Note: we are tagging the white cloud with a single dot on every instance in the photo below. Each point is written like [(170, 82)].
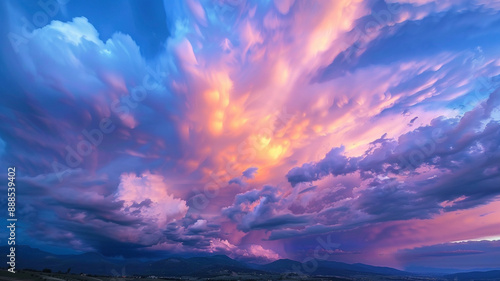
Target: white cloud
[(147, 197)]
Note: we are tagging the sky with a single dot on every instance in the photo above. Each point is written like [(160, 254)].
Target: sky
[(352, 131)]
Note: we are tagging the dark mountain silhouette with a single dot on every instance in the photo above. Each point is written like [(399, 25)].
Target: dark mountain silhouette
[(210, 266), (475, 275), (93, 263), (329, 268), (196, 266)]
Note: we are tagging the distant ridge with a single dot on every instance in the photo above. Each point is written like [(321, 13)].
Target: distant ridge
[(208, 266), (332, 268), (475, 275)]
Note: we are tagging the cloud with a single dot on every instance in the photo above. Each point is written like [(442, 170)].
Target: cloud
[(250, 172), (258, 251), (239, 95), (257, 209), (195, 235), (253, 253), (247, 174), (464, 255), (237, 181), (393, 168), (147, 198), (334, 163)]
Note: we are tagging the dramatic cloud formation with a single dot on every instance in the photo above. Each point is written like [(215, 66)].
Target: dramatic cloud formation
[(369, 130), (147, 198)]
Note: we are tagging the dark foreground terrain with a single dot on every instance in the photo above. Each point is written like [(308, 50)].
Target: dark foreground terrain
[(33, 264), (32, 275)]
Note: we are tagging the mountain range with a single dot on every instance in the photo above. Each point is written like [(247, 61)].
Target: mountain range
[(210, 266)]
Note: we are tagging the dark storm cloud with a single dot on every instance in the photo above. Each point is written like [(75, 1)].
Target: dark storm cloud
[(247, 174), (334, 163), (468, 254), (194, 234), (250, 172), (262, 215), (463, 151)]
